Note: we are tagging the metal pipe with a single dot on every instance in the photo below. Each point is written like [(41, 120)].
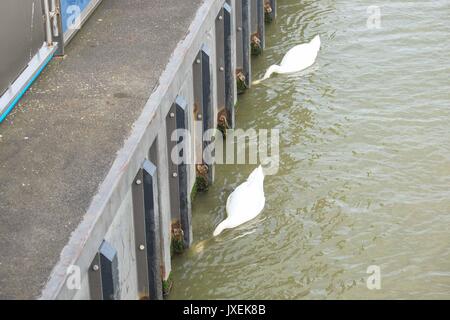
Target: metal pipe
[(48, 29), (54, 14)]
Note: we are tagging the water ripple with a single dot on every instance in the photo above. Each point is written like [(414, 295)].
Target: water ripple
[(365, 163)]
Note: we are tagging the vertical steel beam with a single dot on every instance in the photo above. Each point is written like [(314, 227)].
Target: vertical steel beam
[(171, 125), (103, 274), (229, 75), (95, 279), (254, 16), (109, 272), (206, 88), (261, 23), (257, 26), (158, 155), (207, 107), (242, 51), (246, 33), (140, 239), (220, 60), (203, 108), (153, 239), (198, 108), (239, 34), (183, 151)]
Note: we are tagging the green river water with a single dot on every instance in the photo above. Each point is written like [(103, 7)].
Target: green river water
[(364, 175)]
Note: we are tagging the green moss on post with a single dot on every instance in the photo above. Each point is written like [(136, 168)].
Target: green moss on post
[(241, 85), (193, 192), (167, 285), (202, 184), (268, 17), (256, 49), (255, 45), (177, 246), (177, 243), (222, 122), (241, 81)]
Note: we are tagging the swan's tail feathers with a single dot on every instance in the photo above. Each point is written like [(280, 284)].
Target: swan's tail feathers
[(316, 42), (222, 226)]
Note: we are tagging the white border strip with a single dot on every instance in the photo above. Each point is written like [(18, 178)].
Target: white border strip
[(25, 79)]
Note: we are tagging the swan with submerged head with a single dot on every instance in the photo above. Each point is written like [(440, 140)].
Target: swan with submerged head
[(245, 202), (296, 59)]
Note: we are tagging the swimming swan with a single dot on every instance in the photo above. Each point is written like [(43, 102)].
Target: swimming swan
[(245, 202), (296, 59)]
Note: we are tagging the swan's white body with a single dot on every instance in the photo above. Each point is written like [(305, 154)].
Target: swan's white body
[(297, 58), (245, 202)]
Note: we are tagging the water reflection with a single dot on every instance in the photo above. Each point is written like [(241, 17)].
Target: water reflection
[(365, 164)]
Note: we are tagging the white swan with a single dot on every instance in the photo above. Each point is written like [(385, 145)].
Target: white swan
[(245, 202), (296, 59)]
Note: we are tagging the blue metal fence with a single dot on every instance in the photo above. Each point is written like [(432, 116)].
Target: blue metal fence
[(71, 10)]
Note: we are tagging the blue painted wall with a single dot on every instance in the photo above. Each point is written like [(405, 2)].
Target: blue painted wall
[(70, 11)]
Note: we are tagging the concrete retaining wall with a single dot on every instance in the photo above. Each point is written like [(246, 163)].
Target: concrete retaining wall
[(123, 247)]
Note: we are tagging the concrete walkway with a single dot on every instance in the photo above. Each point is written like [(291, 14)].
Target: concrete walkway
[(58, 144)]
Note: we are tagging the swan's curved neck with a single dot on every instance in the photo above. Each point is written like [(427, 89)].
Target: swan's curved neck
[(222, 226), (272, 69)]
